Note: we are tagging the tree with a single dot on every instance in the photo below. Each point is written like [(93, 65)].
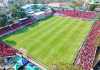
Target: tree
[(92, 7), (3, 20), (17, 12)]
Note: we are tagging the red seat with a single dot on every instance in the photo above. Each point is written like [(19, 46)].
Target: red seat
[(15, 26), (6, 50)]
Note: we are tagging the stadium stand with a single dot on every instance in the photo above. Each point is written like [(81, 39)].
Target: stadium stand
[(42, 14), (88, 50), (10, 58), (26, 22), (22, 23), (15, 26), (77, 13), (6, 50)]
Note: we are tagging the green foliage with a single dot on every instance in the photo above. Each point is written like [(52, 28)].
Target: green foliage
[(17, 12), (92, 7), (3, 20)]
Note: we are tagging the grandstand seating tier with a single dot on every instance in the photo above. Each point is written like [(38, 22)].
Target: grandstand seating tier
[(77, 13), (88, 50)]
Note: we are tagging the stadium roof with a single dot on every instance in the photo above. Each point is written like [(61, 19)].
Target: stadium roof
[(58, 4), (6, 50)]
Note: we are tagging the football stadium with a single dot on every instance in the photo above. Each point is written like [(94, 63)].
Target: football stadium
[(52, 37)]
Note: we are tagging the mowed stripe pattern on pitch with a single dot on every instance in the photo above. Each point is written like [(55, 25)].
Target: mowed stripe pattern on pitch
[(55, 40)]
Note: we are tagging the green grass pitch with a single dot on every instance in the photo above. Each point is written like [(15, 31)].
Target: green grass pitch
[(53, 40)]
